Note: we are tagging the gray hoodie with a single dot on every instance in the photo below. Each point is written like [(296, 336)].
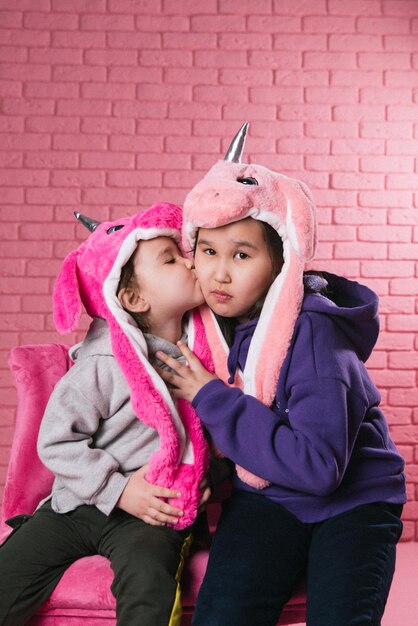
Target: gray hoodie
[(90, 438)]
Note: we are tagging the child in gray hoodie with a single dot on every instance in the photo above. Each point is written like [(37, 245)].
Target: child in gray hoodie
[(129, 464)]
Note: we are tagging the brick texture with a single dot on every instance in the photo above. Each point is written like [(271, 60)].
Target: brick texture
[(110, 105)]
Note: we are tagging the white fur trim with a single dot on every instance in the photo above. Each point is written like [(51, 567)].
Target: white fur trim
[(190, 332), (287, 233), (291, 229), (219, 333), (191, 231), (132, 331), (258, 340)]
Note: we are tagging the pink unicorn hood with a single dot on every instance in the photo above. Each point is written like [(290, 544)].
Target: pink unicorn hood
[(90, 276), (232, 191)]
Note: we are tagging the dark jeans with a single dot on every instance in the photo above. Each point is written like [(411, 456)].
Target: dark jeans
[(144, 558), (260, 551)]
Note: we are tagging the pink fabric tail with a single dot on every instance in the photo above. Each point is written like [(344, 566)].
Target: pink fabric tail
[(165, 465), (189, 476), (275, 330), (272, 337), (219, 355)]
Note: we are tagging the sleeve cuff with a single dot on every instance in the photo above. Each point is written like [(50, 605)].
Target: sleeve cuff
[(210, 387), (108, 497)]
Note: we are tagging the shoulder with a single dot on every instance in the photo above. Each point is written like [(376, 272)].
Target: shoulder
[(96, 342), (89, 374), (317, 325), (94, 363), (320, 348)]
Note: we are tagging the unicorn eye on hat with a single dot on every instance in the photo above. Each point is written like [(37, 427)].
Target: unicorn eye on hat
[(232, 191), (90, 276)]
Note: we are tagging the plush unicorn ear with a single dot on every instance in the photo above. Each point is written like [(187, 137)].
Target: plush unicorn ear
[(66, 296), (300, 219)]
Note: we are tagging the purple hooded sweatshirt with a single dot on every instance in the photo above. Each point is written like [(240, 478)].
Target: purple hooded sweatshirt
[(324, 444)]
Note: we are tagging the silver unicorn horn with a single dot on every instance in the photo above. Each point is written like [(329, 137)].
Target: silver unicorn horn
[(236, 148), (88, 222)]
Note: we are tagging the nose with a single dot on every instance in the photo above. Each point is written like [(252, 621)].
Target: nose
[(221, 273), (189, 263)]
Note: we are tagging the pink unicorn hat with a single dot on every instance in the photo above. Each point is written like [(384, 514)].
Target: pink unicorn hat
[(232, 191), (90, 276)]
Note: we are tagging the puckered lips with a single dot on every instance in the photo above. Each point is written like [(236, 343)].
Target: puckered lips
[(221, 296)]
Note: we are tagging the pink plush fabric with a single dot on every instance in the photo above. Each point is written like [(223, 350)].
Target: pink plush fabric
[(36, 369), (83, 595), (90, 275), (287, 205)]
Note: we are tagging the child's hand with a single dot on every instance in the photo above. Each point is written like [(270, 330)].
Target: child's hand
[(185, 381), (147, 502)]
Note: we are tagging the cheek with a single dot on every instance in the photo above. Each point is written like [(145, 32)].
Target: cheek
[(265, 277), (204, 282), (201, 268), (202, 277)]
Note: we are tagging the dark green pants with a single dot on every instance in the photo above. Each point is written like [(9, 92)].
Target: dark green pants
[(145, 560)]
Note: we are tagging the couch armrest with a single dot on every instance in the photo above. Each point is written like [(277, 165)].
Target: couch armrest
[(36, 369)]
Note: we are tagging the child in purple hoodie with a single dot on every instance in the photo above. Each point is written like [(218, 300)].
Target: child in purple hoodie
[(319, 485)]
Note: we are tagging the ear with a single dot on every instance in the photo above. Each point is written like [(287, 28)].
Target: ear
[(132, 301), (66, 296), (300, 219)]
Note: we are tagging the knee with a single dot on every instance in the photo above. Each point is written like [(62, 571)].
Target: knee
[(144, 560)]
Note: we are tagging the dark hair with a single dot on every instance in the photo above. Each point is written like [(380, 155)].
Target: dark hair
[(127, 279)]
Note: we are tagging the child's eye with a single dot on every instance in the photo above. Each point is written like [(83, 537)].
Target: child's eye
[(241, 255), (170, 261), (113, 229), (209, 251)]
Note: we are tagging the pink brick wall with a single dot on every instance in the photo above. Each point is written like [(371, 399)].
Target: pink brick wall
[(110, 105)]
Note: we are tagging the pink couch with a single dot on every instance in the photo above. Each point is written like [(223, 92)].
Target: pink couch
[(83, 596)]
